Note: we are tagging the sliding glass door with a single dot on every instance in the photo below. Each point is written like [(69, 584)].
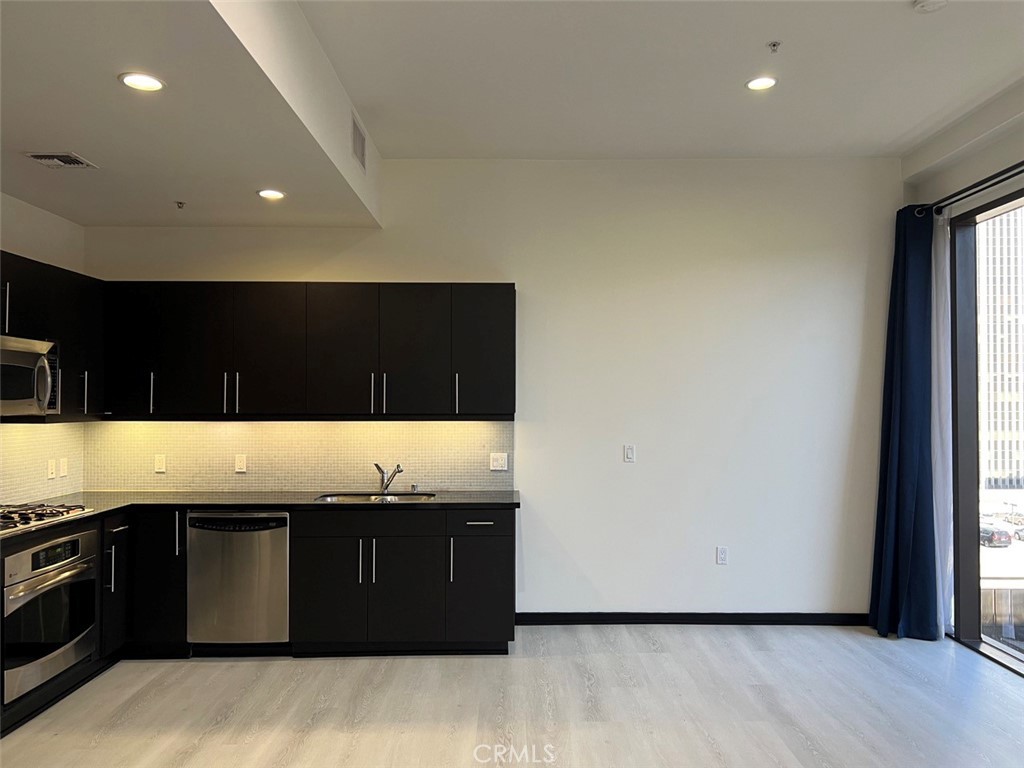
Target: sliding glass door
[(988, 300)]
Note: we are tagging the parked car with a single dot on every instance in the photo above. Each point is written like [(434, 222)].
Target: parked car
[(994, 537), (1019, 534)]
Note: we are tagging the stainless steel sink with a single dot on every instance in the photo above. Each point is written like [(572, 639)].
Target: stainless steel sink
[(374, 498)]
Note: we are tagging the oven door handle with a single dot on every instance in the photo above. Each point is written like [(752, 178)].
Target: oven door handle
[(20, 595)]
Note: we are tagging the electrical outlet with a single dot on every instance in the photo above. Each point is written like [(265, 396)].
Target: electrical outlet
[(499, 462), (240, 463), (721, 555), (160, 463), (51, 469), (629, 453), (64, 467)]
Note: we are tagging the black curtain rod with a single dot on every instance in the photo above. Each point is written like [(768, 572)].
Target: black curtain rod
[(970, 190)]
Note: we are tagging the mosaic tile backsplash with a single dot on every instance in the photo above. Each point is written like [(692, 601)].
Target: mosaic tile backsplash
[(315, 456), (25, 450)]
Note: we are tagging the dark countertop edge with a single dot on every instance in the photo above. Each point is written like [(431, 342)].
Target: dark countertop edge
[(138, 499)]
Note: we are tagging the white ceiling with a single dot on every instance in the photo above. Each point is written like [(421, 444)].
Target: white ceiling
[(638, 79), (219, 132)]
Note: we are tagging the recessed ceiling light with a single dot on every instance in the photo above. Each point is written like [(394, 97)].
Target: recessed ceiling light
[(761, 83), (140, 81), (271, 194)]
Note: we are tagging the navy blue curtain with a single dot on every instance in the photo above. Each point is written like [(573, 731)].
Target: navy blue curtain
[(905, 572)]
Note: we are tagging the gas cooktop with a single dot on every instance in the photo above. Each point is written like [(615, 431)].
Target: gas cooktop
[(25, 516)]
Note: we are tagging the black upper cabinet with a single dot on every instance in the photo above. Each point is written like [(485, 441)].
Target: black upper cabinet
[(270, 348), (406, 589), (132, 313), (484, 348), (193, 359), (343, 348), (27, 295), (41, 301), (416, 349)]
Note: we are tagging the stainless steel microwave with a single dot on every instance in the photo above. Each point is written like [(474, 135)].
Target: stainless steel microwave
[(29, 377)]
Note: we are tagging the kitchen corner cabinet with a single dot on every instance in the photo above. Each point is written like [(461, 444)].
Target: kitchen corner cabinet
[(41, 301), (158, 563), (116, 584), (484, 348)]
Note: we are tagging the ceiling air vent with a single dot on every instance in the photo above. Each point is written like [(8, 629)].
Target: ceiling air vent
[(60, 160), (358, 143)]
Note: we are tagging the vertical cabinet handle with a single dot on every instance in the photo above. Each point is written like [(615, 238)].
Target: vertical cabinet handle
[(451, 560), (360, 561), (151, 378), (373, 562), (60, 389), (7, 308), (85, 403), (177, 534), (238, 378), (384, 409), (225, 391), (456, 394), (371, 392), (113, 567)]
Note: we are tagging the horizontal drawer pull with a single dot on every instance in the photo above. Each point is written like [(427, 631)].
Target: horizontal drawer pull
[(479, 522)]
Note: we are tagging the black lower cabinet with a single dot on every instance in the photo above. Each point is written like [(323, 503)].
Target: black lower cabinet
[(158, 607), (328, 587), (480, 589), (406, 589), (116, 584)]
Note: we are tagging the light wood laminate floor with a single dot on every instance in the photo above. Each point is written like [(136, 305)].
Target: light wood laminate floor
[(597, 695)]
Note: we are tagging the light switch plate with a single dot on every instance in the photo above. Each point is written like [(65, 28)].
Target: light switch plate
[(160, 463), (629, 453), (64, 467), (51, 469), (499, 462), (240, 463)]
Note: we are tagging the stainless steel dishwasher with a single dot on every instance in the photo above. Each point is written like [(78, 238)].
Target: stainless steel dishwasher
[(237, 577)]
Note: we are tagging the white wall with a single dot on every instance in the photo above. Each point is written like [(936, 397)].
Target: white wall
[(37, 234), (727, 316)]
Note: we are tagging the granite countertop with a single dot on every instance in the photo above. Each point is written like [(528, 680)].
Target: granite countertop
[(101, 502)]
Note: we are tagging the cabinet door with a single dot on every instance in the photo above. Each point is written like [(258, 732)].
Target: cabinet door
[(406, 589), (130, 314), (92, 383), (342, 348), (78, 326), (327, 584), (484, 348), (193, 348), (269, 348), (416, 349), (117, 584), (480, 590), (27, 297), (159, 581)]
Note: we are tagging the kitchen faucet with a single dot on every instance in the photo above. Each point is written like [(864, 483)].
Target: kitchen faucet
[(385, 478)]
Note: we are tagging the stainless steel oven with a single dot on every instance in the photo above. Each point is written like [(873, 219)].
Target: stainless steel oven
[(50, 596), (29, 377)]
